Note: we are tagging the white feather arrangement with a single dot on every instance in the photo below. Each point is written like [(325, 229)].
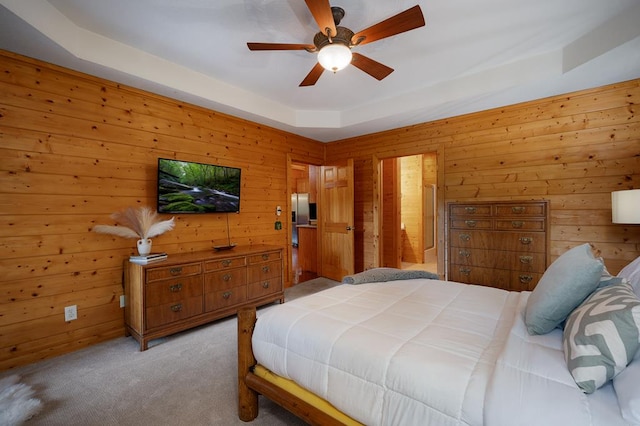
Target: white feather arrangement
[(139, 223)]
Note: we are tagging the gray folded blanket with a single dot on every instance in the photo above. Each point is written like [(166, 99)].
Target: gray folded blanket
[(387, 274)]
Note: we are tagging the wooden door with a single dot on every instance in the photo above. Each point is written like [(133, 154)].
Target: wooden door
[(336, 224)]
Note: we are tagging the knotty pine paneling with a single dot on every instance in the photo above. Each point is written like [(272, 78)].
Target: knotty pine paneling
[(572, 150), (73, 150)]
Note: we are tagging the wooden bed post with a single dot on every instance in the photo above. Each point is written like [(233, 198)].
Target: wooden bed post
[(247, 398)]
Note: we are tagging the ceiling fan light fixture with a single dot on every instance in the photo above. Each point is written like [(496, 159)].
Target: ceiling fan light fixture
[(334, 56)]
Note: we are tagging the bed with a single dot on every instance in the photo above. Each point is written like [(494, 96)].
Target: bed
[(418, 351)]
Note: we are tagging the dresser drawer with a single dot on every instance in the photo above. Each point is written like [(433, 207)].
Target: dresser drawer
[(470, 210), (225, 298), (519, 224), (163, 273), (524, 281), (470, 239), (223, 280), (264, 257), (477, 275), (227, 263), (171, 312), (168, 291), (528, 209), (528, 262), (460, 223), (264, 271), (264, 288)]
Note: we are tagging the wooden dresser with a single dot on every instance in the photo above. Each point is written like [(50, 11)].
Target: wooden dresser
[(191, 289), (498, 244)]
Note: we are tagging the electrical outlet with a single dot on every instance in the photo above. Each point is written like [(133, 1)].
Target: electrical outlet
[(122, 301), (71, 313)]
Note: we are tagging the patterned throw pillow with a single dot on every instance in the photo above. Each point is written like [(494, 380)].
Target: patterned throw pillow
[(602, 336)]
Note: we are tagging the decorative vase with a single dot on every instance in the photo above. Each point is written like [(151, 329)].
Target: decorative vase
[(144, 246)]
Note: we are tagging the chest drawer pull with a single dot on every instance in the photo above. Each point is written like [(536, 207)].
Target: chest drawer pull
[(526, 259), (265, 256), (517, 223), (526, 240), (175, 288), (470, 209), (525, 279), (265, 269), (226, 277), (464, 253), (465, 271), (464, 237), (226, 295), (175, 271), (176, 308), (226, 262), (265, 284), (518, 209), (470, 223)]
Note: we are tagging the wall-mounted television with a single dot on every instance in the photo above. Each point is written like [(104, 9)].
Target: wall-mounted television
[(190, 187)]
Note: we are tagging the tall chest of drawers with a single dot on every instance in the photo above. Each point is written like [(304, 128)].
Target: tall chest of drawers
[(498, 244), (191, 289)]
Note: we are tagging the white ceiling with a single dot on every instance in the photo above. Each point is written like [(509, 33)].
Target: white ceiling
[(471, 55)]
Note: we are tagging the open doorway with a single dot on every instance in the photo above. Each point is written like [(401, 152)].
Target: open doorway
[(303, 239), (408, 212)]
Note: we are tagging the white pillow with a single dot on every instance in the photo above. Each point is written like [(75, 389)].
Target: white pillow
[(626, 386), (632, 273)]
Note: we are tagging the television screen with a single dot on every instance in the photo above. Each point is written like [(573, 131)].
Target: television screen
[(188, 187)]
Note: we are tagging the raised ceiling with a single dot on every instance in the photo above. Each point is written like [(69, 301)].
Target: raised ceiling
[(471, 55)]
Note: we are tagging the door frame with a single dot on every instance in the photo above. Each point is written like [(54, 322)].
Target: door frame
[(292, 158), (440, 207)]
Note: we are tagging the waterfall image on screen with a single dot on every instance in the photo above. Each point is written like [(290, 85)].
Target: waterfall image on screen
[(189, 187)]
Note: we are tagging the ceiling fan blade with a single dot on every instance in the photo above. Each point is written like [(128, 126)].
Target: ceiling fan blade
[(371, 67), (313, 76), (404, 21), (280, 46), (321, 11)]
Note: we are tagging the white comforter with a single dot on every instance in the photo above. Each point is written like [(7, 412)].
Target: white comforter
[(424, 352)]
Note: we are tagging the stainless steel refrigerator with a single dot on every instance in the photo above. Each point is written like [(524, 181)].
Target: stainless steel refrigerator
[(299, 214)]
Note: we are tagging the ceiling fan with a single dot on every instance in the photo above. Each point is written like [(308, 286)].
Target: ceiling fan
[(333, 43)]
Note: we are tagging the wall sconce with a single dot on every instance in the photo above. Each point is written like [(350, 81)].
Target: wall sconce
[(625, 206)]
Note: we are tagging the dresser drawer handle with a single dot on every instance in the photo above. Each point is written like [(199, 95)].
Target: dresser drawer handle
[(470, 223), (464, 237), (226, 262), (265, 284), (265, 256), (226, 295), (464, 253), (518, 209), (175, 288), (470, 209), (176, 308), (176, 271), (526, 259), (525, 279), (465, 271), (265, 269), (517, 223), (226, 277), (526, 240)]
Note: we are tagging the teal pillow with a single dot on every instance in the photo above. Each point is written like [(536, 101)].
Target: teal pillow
[(563, 286), (602, 336)]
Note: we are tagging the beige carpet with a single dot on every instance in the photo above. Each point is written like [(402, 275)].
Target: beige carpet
[(189, 378)]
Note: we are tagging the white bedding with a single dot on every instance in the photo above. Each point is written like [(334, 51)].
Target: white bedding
[(417, 352)]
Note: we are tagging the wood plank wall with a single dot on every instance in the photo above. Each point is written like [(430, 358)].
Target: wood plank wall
[(73, 150), (572, 150)]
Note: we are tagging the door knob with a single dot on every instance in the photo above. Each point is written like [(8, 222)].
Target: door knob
[(351, 228)]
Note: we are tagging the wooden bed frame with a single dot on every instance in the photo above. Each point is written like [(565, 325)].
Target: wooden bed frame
[(251, 386)]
